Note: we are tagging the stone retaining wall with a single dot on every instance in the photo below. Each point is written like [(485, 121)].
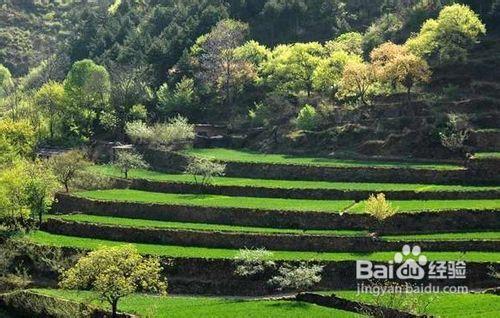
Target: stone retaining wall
[(205, 276), (233, 240), (400, 223)]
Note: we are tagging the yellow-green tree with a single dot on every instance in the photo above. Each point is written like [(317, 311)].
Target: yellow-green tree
[(50, 100), (396, 65), (18, 134), (115, 272), (449, 36), (358, 80), (290, 68), (328, 74)]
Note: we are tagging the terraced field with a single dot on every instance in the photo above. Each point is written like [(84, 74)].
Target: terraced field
[(168, 215), (442, 305), (250, 156)]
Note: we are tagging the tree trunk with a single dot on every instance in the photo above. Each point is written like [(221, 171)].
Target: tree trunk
[(66, 187), (114, 307)]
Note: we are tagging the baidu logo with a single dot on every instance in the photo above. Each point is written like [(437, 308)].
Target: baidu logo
[(410, 264)]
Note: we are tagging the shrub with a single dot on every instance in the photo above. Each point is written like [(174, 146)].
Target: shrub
[(205, 169), (307, 118), (129, 159), (138, 132), (252, 261), (300, 278), (174, 134), (454, 135), (379, 207)]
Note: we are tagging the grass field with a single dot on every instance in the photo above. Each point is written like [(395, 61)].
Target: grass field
[(447, 305), (492, 235), (187, 307), (249, 156), (289, 184), (199, 226), (127, 195), (487, 155), (195, 252), (436, 205)]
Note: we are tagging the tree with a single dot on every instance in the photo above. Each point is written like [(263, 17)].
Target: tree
[(220, 67), (19, 134), (358, 79), (290, 68), (351, 43), (307, 118), (327, 76), (395, 64), (204, 168), (129, 159), (253, 52), (181, 100), (39, 187), (6, 83), (88, 88), (449, 36), (115, 272), (50, 100), (67, 165)]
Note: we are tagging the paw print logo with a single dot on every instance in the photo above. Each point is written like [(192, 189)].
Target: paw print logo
[(412, 262)]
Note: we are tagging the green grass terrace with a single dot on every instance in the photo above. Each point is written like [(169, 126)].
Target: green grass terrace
[(231, 155), (139, 223), (194, 307), (44, 238), (151, 175), (206, 200), (445, 305)]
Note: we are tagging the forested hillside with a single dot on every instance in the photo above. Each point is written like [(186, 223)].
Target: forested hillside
[(243, 64)]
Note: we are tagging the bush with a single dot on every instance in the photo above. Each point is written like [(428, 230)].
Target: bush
[(454, 135), (171, 135), (379, 207), (300, 278), (250, 262), (204, 168), (139, 132), (307, 118)]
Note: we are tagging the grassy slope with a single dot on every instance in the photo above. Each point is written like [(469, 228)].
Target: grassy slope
[(198, 226), (288, 184), (449, 305), (187, 307), (218, 200), (436, 205), (228, 228), (127, 195), (248, 156), (487, 155), (195, 252)]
